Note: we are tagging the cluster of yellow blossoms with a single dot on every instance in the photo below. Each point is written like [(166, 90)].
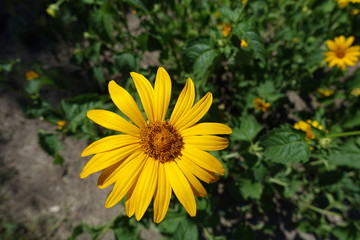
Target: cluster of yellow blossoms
[(307, 127)]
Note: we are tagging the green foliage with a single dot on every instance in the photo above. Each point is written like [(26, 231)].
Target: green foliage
[(51, 144), (285, 145), (276, 177)]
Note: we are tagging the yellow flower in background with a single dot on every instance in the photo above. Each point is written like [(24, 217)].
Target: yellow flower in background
[(325, 92), (355, 12), (307, 126), (243, 43), (243, 1), (355, 92), (153, 158), (261, 105), (31, 75), (343, 3), (226, 29), (133, 12), (60, 124), (341, 52)]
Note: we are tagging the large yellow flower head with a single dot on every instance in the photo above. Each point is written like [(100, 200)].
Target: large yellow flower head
[(341, 52), (153, 158)]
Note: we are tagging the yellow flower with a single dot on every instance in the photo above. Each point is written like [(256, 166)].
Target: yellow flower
[(243, 1), (325, 92), (133, 11), (243, 43), (226, 29), (343, 3), (60, 124), (31, 75), (153, 158), (306, 127), (341, 52), (355, 12), (355, 92), (261, 105)]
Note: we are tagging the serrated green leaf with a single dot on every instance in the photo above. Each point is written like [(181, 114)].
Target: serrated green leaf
[(198, 58), (249, 128), (248, 32), (285, 145), (102, 24), (49, 143), (347, 156), (250, 189), (186, 230), (126, 62), (124, 230)]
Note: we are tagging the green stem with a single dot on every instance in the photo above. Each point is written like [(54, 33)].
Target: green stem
[(277, 181), (319, 210), (344, 134)]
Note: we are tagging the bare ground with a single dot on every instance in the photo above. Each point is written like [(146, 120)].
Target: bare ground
[(49, 200)]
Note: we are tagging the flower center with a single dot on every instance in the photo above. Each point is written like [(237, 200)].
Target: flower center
[(340, 53), (161, 141)]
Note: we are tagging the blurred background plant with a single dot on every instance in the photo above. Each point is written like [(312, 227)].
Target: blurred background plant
[(292, 164)]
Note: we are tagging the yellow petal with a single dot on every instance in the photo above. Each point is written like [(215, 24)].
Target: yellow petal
[(162, 94), (133, 161), (146, 94), (203, 159), (207, 142), (193, 115), (195, 184), (181, 187), (145, 187), (109, 143), (205, 129), (126, 104), (127, 178), (107, 172), (103, 160), (112, 121), (331, 44), (349, 41), (162, 195), (130, 204), (201, 173), (184, 102)]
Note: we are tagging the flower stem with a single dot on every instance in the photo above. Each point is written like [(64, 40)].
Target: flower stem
[(319, 210), (344, 134)]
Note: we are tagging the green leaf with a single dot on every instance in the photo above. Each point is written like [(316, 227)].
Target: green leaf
[(249, 128), (186, 230), (126, 62), (248, 32), (124, 229), (137, 4), (102, 24), (250, 190), (198, 57), (7, 65), (285, 145), (347, 156), (100, 77), (49, 143)]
